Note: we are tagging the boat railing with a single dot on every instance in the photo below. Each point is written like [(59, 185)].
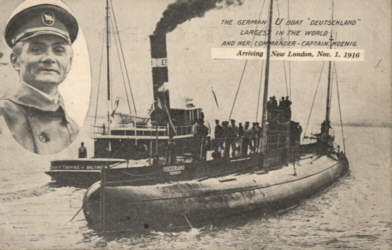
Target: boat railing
[(140, 130), (138, 126)]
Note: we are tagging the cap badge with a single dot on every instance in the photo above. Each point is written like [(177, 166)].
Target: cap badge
[(48, 18)]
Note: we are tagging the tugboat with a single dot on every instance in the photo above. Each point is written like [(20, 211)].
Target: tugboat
[(263, 169), (126, 137)]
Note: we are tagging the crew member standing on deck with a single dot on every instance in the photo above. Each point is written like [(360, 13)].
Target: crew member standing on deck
[(200, 135), (82, 151), (233, 134), (254, 137), (218, 133), (241, 133), (196, 140), (258, 136), (226, 135), (205, 139), (41, 38), (247, 139)]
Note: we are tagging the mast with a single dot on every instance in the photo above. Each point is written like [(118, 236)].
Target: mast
[(266, 79), (108, 62), (328, 104)]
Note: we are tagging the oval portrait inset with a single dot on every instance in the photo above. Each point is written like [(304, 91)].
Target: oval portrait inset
[(45, 87)]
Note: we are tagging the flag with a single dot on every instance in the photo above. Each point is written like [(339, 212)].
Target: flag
[(116, 103), (216, 99)]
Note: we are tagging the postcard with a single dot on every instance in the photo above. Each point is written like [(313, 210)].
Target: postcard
[(195, 124)]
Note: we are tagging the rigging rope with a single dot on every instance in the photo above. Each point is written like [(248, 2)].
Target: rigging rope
[(238, 89), (313, 101), (244, 68), (99, 80), (122, 54), (121, 67), (340, 108)]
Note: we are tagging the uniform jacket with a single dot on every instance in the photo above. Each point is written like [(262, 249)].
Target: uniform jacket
[(37, 122)]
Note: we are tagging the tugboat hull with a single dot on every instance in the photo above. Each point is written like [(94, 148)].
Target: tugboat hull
[(162, 206), (80, 172)]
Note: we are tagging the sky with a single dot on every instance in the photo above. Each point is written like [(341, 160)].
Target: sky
[(365, 87)]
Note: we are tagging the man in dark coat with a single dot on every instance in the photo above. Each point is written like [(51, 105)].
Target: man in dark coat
[(82, 152), (247, 139), (41, 38), (226, 135), (218, 133), (233, 136)]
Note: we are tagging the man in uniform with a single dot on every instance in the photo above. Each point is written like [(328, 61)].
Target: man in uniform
[(200, 132), (241, 134), (272, 110), (226, 135), (41, 38), (204, 139), (82, 152), (254, 137), (258, 136), (233, 136), (218, 135), (247, 139)]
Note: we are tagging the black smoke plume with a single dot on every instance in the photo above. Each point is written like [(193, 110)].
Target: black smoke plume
[(184, 10)]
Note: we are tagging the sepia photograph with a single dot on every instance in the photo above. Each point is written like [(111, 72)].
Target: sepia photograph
[(195, 124), (40, 38)]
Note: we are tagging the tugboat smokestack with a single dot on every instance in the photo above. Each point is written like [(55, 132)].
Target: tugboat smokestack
[(159, 69)]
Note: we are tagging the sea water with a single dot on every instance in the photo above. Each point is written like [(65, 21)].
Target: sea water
[(355, 212)]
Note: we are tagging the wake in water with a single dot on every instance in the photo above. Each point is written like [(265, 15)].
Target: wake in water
[(26, 193)]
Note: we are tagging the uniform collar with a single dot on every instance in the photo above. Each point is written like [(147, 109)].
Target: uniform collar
[(29, 96)]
